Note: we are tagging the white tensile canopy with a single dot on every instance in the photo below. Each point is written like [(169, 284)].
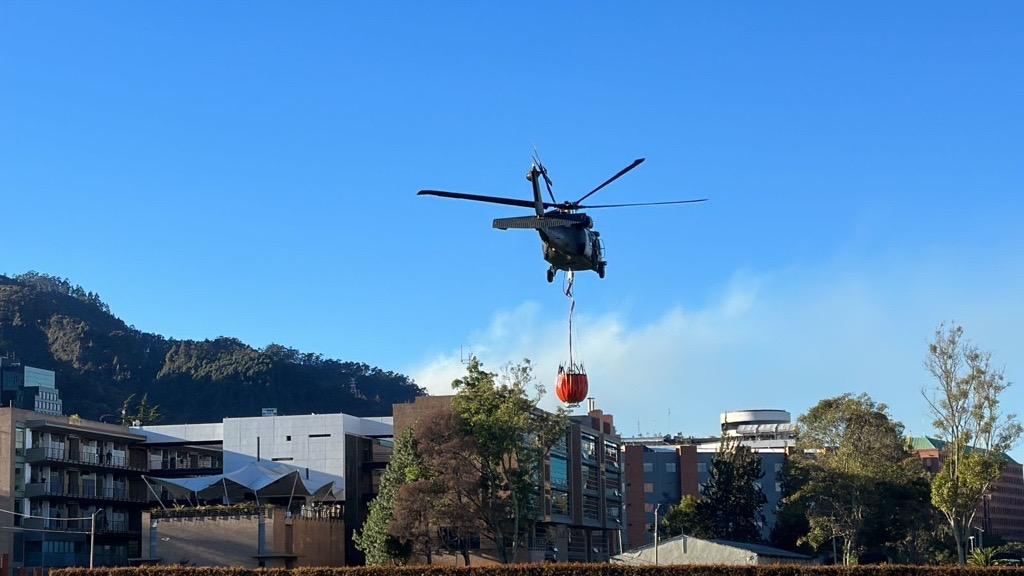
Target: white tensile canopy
[(264, 479)]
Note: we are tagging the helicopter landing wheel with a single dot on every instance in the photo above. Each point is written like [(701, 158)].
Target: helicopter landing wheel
[(600, 270), (551, 275)]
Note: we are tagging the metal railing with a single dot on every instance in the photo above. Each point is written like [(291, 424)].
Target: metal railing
[(38, 489), (63, 454)]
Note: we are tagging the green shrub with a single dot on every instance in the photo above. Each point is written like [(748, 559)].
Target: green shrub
[(555, 570)]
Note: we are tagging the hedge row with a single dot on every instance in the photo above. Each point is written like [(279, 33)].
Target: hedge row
[(555, 570)]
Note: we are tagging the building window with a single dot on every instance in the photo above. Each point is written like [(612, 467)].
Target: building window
[(649, 508), (778, 467), (670, 467), (613, 513), (561, 445), (611, 452), (588, 447), (559, 503), (318, 436), (559, 473), (281, 459), (591, 507), (287, 438), (612, 481), (648, 488), (19, 441), (591, 478), (648, 467), (702, 468), (778, 487)]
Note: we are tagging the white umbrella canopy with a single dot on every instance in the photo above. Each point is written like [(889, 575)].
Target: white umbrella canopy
[(265, 479)]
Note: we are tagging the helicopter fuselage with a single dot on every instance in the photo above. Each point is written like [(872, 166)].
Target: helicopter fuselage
[(572, 247)]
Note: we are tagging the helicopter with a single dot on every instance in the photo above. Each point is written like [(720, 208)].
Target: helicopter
[(569, 240)]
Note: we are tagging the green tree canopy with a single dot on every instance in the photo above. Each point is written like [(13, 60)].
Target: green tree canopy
[(731, 504), (141, 414), (511, 437), (685, 519), (375, 540), (861, 485)]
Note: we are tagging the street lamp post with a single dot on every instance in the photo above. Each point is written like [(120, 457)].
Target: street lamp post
[(92, 535), (656, 508)]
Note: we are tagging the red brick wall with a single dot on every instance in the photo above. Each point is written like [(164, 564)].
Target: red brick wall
[(636, 520)]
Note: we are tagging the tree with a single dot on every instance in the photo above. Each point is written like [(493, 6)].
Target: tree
[(415, 521), (964, 402), (142, 415), (731, 500), (791, 525), (434, 512), (860, 477), (447, 457), (375, 539), (684, 519), (511, 437)]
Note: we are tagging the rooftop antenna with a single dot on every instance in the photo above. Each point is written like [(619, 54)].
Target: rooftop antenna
[(465, 355)]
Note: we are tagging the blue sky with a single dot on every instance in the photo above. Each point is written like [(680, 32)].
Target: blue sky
[(250, 170)]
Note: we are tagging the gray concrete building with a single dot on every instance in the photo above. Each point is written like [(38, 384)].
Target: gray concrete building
[(349, 450)]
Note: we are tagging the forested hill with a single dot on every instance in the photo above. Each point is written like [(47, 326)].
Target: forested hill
[(49, 323)]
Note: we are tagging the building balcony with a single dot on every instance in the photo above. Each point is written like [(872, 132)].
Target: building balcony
[(184, 472), (56, 524), (108, 493), (62, 455), (103, 526)]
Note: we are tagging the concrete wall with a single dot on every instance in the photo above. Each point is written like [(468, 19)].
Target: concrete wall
[(315, 441), (213, 432), (229, 541), (234, 540)]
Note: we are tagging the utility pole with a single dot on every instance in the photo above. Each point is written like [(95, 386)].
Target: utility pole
[(656, 508), (92, 535)]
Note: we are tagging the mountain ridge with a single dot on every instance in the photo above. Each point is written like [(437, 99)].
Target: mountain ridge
[(48, 322)]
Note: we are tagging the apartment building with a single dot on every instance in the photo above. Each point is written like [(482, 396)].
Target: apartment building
[(61, 472)]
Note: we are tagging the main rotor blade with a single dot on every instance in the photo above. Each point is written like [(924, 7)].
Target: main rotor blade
[(618, 175), (479, 198), (544, 173), (642, 204), (548, 183)]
